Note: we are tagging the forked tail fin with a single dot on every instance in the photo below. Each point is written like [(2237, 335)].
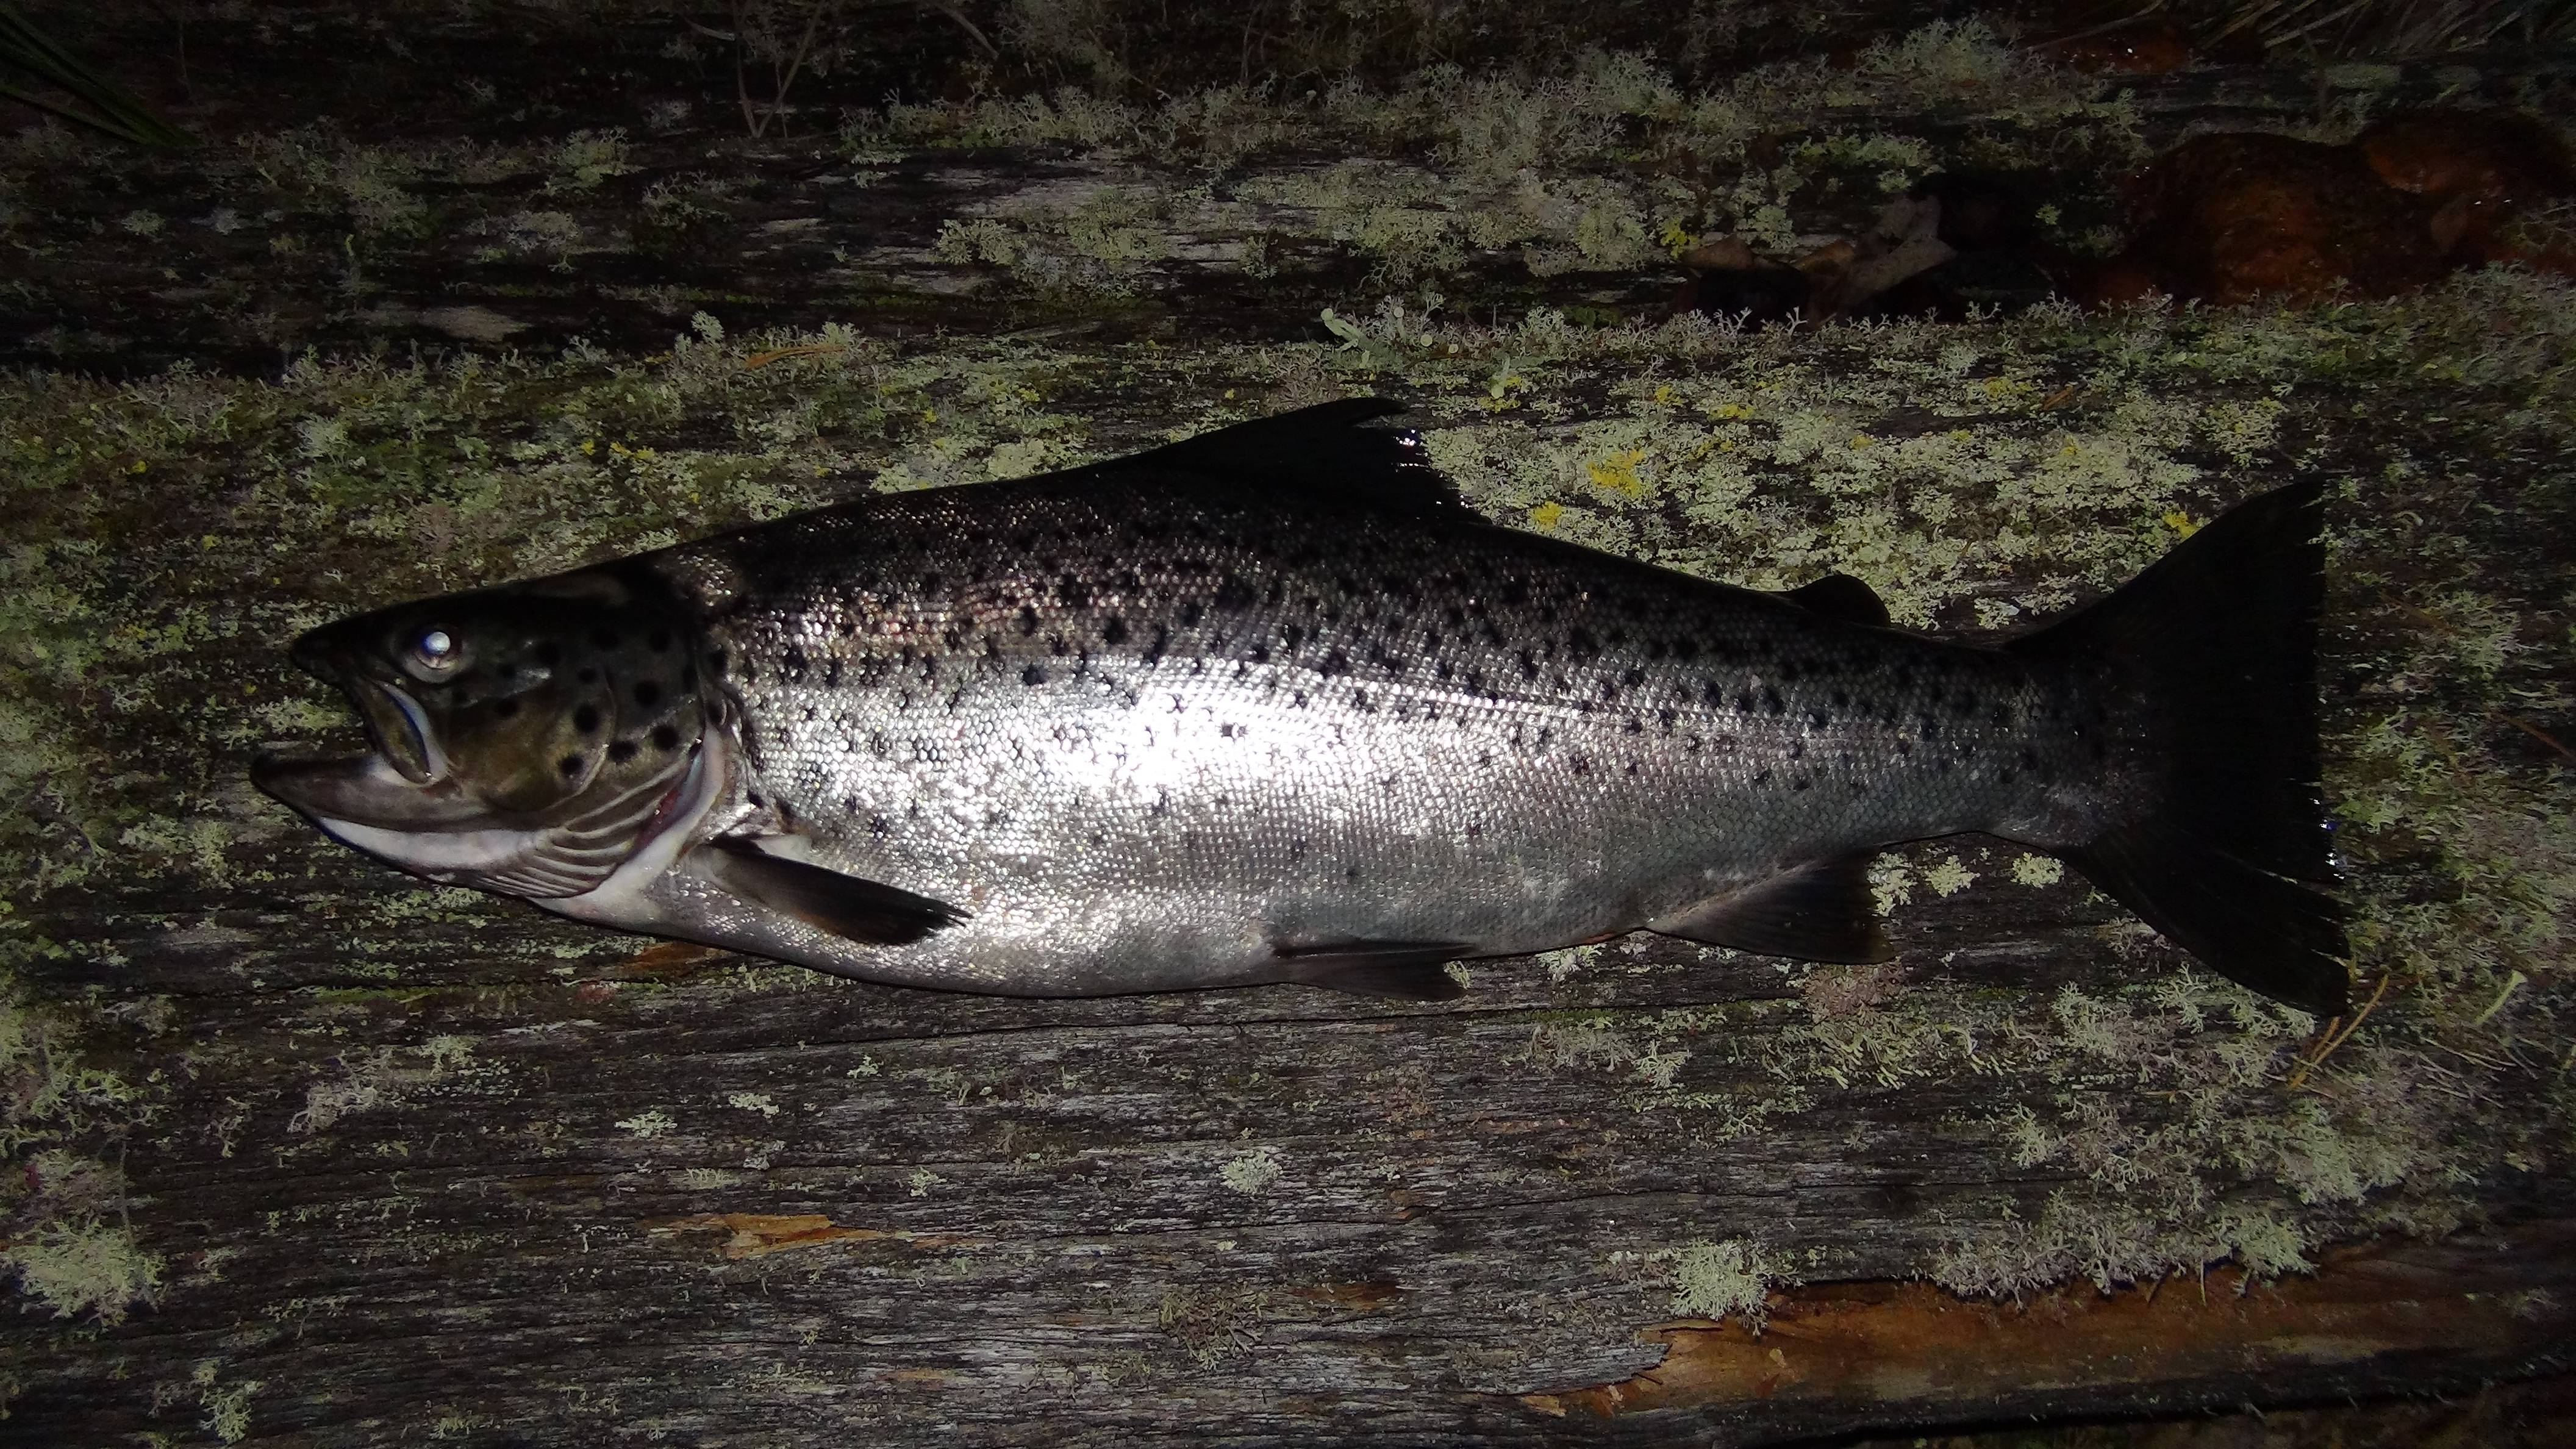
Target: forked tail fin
[(2219, 637)]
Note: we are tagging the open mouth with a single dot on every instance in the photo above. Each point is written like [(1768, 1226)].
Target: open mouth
[(398, 729), (401, 784)]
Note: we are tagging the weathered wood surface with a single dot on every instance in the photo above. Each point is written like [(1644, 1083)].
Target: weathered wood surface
[(423, 1166), (614, 228)]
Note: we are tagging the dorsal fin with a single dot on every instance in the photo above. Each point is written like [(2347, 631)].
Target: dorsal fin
[(1320, 453), (1840, 596)]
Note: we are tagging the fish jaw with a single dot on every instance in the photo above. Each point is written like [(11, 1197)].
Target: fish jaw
[(430, 829), (369, 791)]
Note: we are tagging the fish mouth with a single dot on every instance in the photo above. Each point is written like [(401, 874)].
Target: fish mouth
[(402, 784), (398, 729)]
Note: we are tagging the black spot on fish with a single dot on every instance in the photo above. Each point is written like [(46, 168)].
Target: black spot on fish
[(603, 639), (1351, 872), (1033, 675), (1073, 593), (1114, 632), (1819, 718), (504, 708), (1335, 662), (620, 751), (1260, 654), (1191, 613), (550, 654), (658, 641), (1631, 678), (1028, 621), (794, 661), (587, 675), (585, 719), (665, 738), (647, 693), (1234, 594), (1771, 701), (570, 765)]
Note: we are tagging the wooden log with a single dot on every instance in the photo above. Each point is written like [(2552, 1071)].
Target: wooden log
[(301, 1151)]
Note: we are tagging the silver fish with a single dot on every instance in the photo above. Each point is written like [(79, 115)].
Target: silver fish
[(1271, 705)]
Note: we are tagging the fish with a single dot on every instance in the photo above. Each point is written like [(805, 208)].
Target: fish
[(1272, 704)]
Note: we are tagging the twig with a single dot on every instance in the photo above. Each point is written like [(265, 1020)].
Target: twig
[(952, 12), (2512, 984), (2107, 26), (2335, 1039), (802, 349), (2533, 730)]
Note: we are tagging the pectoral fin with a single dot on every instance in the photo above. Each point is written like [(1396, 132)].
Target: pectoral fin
[(844, 905), (1406, 970), (1818, 912)]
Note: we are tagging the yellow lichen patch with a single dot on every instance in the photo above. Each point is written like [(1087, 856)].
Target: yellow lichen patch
[(1618, 472)]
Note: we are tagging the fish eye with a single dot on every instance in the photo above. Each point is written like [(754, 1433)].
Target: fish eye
[(435, 651)]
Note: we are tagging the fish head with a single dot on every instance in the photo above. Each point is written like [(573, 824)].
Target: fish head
[(563, 708)]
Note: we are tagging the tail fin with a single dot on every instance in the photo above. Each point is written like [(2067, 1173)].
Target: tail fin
[(2220, 636)]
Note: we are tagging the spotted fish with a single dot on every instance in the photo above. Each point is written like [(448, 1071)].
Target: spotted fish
[(1271, 705)]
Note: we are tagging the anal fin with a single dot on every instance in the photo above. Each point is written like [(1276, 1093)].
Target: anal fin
[(1405, 970), (1822, 911), (865, 911)]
